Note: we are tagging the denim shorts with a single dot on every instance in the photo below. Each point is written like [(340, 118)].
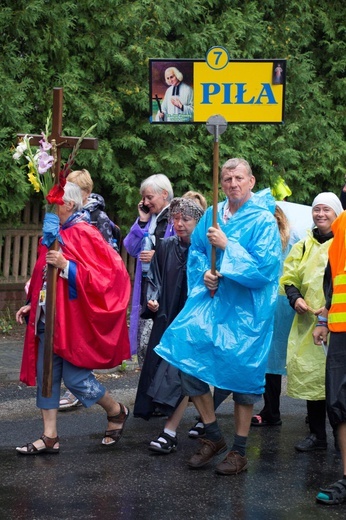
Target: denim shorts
[(192, 387)]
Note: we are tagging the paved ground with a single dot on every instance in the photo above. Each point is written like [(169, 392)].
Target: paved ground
[(10, 358), (87, 480)]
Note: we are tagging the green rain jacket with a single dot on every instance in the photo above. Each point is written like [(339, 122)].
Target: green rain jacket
[(306, 362)]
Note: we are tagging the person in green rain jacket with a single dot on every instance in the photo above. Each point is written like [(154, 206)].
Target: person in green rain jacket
[(302, 281)]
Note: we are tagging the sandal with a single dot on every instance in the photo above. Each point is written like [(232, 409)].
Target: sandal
[(257, 420), (334, 494), (197, 430), (165, 443), (117, 419), (49, 443), (68, 400)]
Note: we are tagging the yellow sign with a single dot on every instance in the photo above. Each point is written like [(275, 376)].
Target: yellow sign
[(242, 91)]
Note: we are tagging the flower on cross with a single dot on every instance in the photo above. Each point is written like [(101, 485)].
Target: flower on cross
[(39, 163)]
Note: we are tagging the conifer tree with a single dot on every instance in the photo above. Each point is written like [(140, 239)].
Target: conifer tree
[(98, 51)]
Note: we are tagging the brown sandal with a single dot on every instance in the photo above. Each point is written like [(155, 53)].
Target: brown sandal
[(120, 418), (49, 443)]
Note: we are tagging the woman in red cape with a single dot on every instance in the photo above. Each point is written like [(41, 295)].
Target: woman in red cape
[(93, 291)]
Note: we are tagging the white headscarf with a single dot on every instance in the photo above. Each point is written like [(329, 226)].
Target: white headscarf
[(329, 199)]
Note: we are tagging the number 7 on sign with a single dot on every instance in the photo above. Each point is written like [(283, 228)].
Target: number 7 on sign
[(217, 58), (218, 55)]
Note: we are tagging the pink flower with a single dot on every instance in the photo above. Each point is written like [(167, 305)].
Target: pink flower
[(45, 162), (45, 145)]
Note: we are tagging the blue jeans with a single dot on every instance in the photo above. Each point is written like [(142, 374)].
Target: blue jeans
[(80, 381)]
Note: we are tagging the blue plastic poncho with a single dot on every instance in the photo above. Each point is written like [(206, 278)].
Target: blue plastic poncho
[(300, 221), (225, 340)]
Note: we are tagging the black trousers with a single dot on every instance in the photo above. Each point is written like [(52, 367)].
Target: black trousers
[(317, 418), (271, 409), (336, 379)]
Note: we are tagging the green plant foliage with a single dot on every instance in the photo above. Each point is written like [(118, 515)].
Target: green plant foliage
[(98, 51), (7, 321)]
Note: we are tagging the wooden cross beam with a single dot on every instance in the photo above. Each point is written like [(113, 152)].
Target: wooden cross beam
[(61, 141)]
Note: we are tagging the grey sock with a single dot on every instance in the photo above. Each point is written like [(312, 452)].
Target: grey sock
[(212, 432), (239, 444)]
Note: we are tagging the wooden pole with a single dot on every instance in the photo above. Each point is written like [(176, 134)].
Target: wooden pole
[(215, 193), (52, 277), (52, 272), (216, 125)]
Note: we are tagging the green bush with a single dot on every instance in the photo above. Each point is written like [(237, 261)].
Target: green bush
[(98, 51)]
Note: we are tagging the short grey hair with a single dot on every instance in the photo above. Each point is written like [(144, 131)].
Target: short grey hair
[(73, 193), (158, 182), (176, 73), (231, 164)]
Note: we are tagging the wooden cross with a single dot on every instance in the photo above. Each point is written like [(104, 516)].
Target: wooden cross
[(88, 143), (58, 141)]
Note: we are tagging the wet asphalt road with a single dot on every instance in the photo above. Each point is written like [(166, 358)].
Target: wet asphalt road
[(90, 481)]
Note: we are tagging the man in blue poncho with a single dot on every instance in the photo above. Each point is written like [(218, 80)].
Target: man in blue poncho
[(224, 340)]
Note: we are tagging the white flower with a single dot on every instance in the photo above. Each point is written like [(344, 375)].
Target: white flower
[(21, 147)]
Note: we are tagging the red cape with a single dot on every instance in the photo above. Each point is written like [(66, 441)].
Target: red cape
[(91, 306)]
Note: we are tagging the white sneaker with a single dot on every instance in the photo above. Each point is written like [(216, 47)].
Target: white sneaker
[(68, 400)]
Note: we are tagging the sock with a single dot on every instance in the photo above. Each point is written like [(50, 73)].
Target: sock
[(172, 433), (212, 432), (161, 439), (239, 444)]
